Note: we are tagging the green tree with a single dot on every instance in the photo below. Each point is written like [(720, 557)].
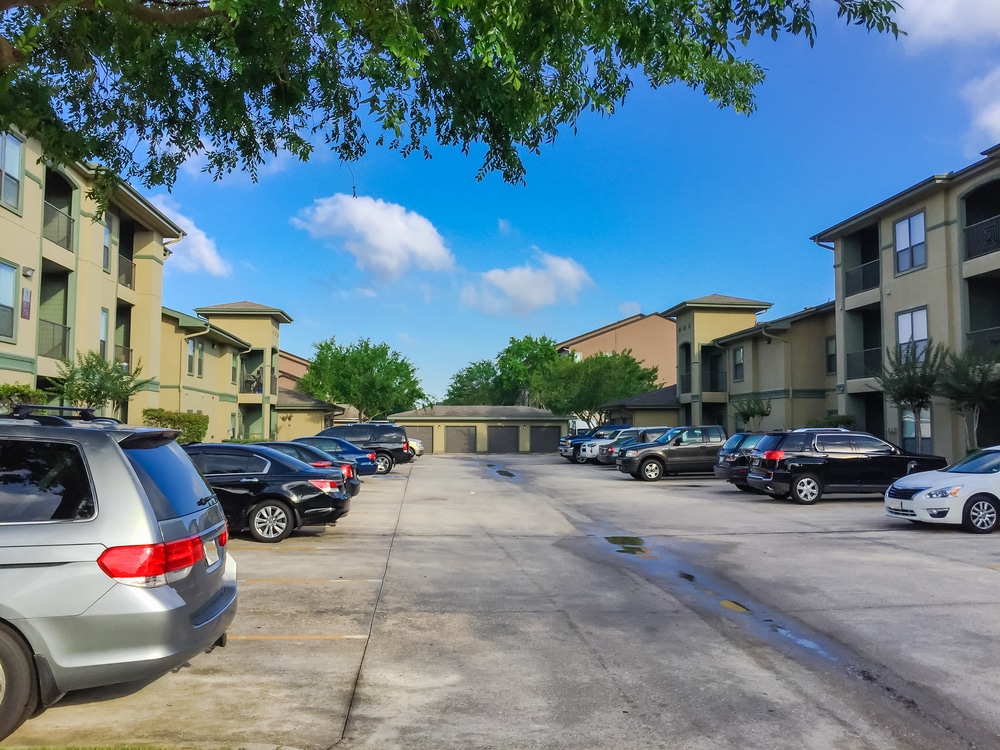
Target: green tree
[(970, 381), (372, 378), (139, 86), (522, 360), (909, 378), (583, 387), (95, 382), (15, 393), (474, 384), (751, 411)]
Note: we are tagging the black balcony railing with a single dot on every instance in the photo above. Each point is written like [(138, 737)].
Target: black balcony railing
[(126, 272), (864, 364), (57, 226), (123, 356), (713, 381), (53, 340), (685, 382), (984, 342), (982, 238), (862, 278)]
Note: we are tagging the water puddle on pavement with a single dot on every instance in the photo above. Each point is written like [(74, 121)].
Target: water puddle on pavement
[(502, 471), (705, 592)]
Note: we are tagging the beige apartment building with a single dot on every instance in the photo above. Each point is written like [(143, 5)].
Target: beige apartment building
[(922, 265), (651, 338), (70, 281)]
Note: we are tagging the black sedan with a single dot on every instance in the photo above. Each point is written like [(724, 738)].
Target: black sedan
[(268, 493), (321, 460)]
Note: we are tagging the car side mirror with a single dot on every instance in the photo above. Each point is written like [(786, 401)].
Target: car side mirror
[(677, 441)]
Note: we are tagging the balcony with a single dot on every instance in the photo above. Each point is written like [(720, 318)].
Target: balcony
[(984, 342), (685, 382), (982, 238), (862, 278), (57, 227), (126, 272), (713, 381), (53, 340), (123, 356), (864, 364)]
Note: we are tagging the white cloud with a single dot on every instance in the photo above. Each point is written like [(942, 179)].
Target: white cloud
[(385, 239), (504, 226), (930, 22), (983, 97), (196, 252), (628, 309), (522, 289)]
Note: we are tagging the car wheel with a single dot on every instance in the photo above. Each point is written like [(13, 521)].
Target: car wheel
[(650, 470), (578, 456), (270, 521), (383, 464), (980, 516), (18, 688), (806, 489)]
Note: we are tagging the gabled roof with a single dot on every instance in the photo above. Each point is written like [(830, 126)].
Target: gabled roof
[(780, 324), (932, 184), (245, 308), (568, 343), (661, 398), (717, 302), (196, 325), (289, 398), (441, 411)]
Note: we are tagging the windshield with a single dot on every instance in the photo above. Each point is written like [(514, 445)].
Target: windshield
[(984, 462)]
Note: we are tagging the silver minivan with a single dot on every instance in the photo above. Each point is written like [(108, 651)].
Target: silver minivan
[(113, 561)]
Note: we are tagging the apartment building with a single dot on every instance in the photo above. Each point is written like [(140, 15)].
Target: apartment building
[(651, 338), (922, 265), (70, 281)]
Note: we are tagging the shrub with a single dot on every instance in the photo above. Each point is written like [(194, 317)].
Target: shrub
[(192, 426), (16, 393)]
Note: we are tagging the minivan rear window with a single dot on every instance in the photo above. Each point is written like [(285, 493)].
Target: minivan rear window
[(170, 479), (43, 481)]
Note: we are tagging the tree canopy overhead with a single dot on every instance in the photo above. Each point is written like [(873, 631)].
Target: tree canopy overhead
[(139, 86)]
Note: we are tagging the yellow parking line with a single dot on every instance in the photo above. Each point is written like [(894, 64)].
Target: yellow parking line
[(297, 637), (993, 567)]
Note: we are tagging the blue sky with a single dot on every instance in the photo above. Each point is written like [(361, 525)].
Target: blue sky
[(669, 199)]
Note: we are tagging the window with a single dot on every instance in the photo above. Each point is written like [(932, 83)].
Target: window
[(43, 481), (8, 288), (190, 356), (870, 445), (831, 355), (10, 171), (911, 329), (110, 235), (834, 443), (911, 250), (104, 334), (738, 363), (236, 364), (200, 346), (909, 431)]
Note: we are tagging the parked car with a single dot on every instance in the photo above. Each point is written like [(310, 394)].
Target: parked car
[(320, 460), (115, 564), (733, 458), (416, 446), (569, 445), (607, 453), (338, 448), (805, 465), (387, 439), (679, 450), (590, 449), (966, 493), (268, 493)]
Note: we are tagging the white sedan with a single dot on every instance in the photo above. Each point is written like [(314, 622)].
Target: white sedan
[(966, 493), (591, 449)]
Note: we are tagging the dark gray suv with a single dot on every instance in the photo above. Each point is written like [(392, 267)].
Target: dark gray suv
[(113, 561), (387, 439)]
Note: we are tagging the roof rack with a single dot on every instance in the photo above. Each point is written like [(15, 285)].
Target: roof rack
[(82, 413)]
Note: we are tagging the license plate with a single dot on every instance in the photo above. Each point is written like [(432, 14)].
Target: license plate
[(211, 552)]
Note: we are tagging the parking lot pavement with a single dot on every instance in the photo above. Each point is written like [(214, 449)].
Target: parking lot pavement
[(526, 602)]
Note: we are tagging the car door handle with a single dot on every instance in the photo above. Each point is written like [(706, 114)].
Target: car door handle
[(249, 479)]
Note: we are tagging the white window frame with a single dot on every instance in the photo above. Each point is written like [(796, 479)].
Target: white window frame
[(11, 174), (910, 238), (911, 328), (9, 271)]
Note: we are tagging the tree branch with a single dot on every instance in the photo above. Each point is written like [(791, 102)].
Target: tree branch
[(167, 14)]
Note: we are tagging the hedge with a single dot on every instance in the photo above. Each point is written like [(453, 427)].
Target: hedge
[(192, 426)]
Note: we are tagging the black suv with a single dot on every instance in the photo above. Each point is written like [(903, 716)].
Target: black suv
[(387, 439), (682, 449), (733, 458), (805, 464)]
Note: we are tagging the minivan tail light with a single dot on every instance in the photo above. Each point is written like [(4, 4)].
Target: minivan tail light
[(152, 565), (775, 455)]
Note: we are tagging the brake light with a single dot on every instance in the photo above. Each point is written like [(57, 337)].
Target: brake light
[(406, 445), (775, 455), (346, 468), (322, 464), (152, 565), (371, 456), (223, 538), (325, 485)]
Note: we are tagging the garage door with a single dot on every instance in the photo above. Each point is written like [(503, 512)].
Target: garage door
[(501, 439), (544, 439), (424, 434), (459, 439)]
